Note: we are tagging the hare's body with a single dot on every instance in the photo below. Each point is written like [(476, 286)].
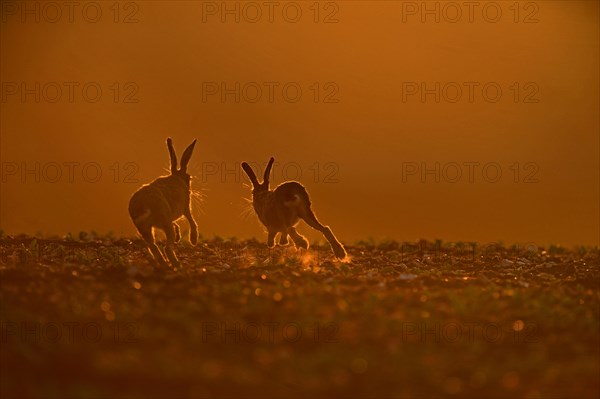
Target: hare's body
[(160, 203), (167, 195), (281, 209), (273, 207)]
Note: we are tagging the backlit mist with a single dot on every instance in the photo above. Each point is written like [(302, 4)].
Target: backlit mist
[(395, 126)]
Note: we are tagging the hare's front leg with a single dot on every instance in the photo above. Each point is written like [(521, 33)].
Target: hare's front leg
[(193, 226)]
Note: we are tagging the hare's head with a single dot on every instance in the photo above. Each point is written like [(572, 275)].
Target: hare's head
[(185, 158), (259, 188)]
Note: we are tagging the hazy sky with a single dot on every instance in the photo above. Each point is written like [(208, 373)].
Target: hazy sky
[(482, 126)]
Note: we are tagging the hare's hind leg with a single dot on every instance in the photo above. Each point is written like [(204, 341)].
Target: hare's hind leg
[(148, 236), (271, 238), (310, 218), (299, 240), (193, 226), (170, 232), (177, 233), (283, 239)]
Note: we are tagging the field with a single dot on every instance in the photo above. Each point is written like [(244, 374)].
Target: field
[(91, 317)]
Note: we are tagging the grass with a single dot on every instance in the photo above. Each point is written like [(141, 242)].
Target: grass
[(90, 317)]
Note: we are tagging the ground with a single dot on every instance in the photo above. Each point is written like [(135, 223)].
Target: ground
[(92, 317)]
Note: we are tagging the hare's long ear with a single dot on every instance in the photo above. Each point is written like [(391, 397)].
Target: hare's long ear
[(172, 155), (268, 172), (187, 154), (250, 174)]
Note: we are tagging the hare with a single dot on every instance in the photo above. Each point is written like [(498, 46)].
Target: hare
[(160, 203), (281, 209)]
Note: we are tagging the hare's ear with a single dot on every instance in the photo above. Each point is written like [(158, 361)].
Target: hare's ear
[(250, 174), (172, 155), (268, 172), (187, 154)]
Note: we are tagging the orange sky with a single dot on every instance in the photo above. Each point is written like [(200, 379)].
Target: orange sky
[(361, 143)]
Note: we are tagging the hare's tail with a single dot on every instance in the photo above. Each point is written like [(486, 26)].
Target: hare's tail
[(296, 195), (142, 216), (139, 213)]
